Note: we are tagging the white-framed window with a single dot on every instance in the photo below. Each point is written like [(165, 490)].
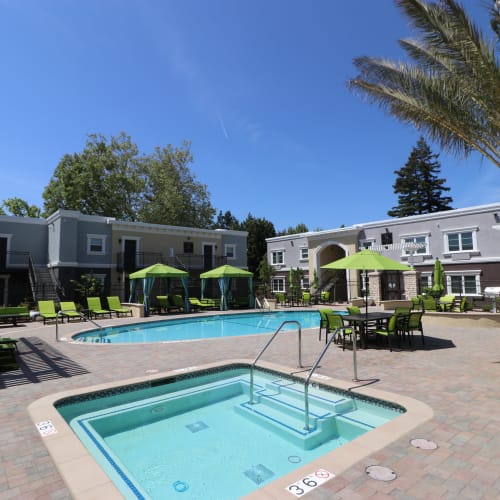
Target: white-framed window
[(425, 281), (463, 240), (278, 284), (230, 251), (463, 282), (304, 283), (304, 253), (277, 257), (415, 245), (96, 244)]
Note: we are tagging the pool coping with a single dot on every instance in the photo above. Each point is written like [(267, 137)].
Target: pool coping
[(85, 478)]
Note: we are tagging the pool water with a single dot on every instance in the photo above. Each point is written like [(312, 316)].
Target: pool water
[(202, 437), (202, 327)]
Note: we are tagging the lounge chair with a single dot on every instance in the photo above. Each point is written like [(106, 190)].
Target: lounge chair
[(446, 302), (68, 310), (8, 359), (115, 306), (323, 322), (178, 302), (47, 310), (95, 308)]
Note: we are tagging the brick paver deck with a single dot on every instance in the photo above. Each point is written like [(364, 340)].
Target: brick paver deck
[(457, 375)]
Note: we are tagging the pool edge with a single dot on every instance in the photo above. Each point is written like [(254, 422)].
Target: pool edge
[(85, 478)]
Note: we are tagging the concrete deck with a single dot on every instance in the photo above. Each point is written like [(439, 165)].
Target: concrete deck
[(457, 375)]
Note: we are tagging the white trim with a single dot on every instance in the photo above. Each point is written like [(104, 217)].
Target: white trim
[(102, 237)]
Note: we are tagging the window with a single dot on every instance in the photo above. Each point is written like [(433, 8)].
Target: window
[(230, 251), (461, 241), (96, 244), (464, 284), (425, 281), (188, 247), (386, 238), (366, 244), (278, 285), (415, 245), (304, 253), (277, 257), (304, 283)]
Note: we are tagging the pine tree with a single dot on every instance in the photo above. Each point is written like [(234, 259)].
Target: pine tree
[(418, 186)]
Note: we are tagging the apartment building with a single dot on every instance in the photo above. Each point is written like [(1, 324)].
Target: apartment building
[(466, 240), (40, 257)]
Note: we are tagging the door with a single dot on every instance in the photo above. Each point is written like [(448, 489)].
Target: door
[(208, 257), (392, 285), (130, 256), (3, 254)]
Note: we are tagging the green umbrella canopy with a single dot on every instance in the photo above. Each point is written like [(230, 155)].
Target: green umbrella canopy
[(438, 276), (226, 271), (367, 260), (158, 271)]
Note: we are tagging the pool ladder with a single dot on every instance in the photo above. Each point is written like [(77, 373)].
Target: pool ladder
[(315, 365), (252, 367), (85, 318)]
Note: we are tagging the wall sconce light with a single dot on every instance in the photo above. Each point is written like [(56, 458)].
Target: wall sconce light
[(291, 243)]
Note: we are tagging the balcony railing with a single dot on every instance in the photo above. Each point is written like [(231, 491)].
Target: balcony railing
[(187, 261)]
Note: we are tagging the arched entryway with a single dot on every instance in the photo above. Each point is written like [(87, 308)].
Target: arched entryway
[(334, 281)]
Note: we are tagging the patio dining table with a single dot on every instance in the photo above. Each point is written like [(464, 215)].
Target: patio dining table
[(361, 321)]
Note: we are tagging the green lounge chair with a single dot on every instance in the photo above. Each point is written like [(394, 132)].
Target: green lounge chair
[(47, 310), (115, 306), (95, 308), (323, 322), (8, 359), (68, 310)]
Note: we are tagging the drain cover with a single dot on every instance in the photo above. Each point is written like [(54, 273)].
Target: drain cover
[(197, 426), (423, 444), (380, 473)]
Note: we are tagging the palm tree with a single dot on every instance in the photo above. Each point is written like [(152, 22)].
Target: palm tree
[(451, 92)]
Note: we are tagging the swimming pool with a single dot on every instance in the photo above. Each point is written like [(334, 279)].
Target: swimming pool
[(196, 435), (201, 327)]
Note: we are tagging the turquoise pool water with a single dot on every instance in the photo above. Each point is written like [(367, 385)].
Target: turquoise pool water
[(199, 437), (202, 327)]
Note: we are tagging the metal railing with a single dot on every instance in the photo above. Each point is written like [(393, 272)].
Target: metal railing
[(316, 363), (85, 318), (267, 345)]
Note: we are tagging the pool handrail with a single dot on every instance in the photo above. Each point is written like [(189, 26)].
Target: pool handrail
[(315, 365), (85, 318), (267, 345)]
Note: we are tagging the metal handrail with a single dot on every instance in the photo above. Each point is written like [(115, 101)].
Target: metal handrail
[(85, 318), (316, 363), (267, 345)]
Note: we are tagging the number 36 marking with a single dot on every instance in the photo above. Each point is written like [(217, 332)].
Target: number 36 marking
[(306, 484)]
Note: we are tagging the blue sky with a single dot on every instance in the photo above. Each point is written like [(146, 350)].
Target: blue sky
[(258, 87)]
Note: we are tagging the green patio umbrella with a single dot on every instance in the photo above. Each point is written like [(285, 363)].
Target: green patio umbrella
[(367, 260), (224, 274), (438, 276), (148, 276)]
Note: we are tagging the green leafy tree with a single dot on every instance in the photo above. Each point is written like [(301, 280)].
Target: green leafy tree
[(450, 92), (265, 272), (258, 230), (104, 179), (299, 228), (172, 194), (20, 208), (87, 286), (227, 221), (418, 186)]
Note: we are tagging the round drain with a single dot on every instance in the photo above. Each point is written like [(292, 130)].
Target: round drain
[(294, 459), (180, 486), (380, 473), (423, 444)]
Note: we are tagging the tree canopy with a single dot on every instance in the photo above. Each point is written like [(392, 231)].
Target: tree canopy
[(110, 178), (20, 208), (258, 230), (450, 92), (417, 183)]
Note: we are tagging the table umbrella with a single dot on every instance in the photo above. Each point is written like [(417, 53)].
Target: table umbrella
[(367, 260), (438, 276)]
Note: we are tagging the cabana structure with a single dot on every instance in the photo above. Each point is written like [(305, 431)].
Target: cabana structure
[(148, 275), (224, 275)]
